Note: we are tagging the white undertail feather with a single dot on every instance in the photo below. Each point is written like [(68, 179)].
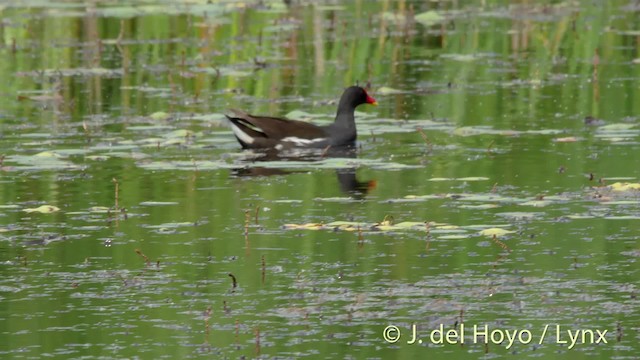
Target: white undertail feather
[(300, 141), (244, 137)]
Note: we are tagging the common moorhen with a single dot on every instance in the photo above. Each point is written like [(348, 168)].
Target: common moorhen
[(259, 132)]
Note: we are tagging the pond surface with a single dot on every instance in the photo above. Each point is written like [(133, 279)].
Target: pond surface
[(496, 184)]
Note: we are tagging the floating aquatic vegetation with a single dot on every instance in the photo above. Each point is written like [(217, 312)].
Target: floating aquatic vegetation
[(217, 119), (484, 197), (9, 206), (159, 115), (186, 165), (454, 237), (624, 186), (46, 160), (43, 209), (481, 130), (470, 178), (521, 215), (224, 71), (97, 157), (615, 127), (461, 57), (566, 139), (385, 225), (618, 133), (337, 199), (536, 203), (491, 232), (125, 11), (445, 231), (392, 17), (92, 210), (385, 90), (429, 18), (82, 72), (486, 130), (417, 198), (158, 203), (478, 206), (337, 163), (169, 228)]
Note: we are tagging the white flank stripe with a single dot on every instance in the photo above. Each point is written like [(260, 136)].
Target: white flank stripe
[(300, 141), (244, 137)]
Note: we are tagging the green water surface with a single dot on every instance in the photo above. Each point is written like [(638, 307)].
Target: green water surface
[(493, 115)]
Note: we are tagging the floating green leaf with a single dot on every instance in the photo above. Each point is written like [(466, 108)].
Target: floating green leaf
[(388, 91), (536, 203), (478, 207), (159, 115), (624, 186), (158, 203), (429, 18), (9, 206), (520, 215), (616, 127), (46, 160), (470, 178), (381, 226), (393, 17), (43, 209), (97, 157), (498, 232)]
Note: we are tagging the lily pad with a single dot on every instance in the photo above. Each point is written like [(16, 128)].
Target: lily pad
[(478, 207), (158, 203), (310, 226), (97, 157), (43, 209), (97, 71), (470, 178), (536, 203), (385, 225), (186, 165), (223, 71), (169, 228), (159, 115), (482, 130), (46, 160), (620, 186), (520, 215), (616, 127), (388, 91), (180, 133), (566, 139), (9, 206), (429, 18), (498, 232), (454, 237)]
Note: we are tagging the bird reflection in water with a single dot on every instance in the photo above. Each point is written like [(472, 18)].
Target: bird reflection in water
[(347, 178)]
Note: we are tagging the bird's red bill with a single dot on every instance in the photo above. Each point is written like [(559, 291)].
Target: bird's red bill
[(371, 100)]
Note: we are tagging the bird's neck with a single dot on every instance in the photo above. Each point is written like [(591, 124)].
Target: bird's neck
[(345, 117)]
